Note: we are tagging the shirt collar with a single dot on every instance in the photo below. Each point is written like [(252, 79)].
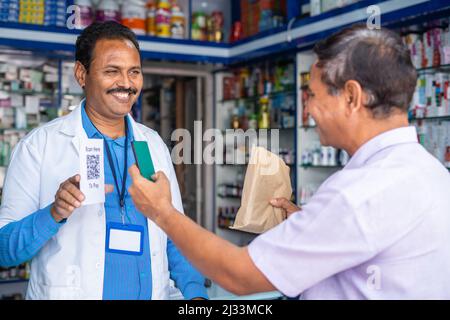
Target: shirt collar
[(92, 131), (382, 141)]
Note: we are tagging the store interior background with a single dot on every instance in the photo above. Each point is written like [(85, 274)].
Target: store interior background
[(228, 63)]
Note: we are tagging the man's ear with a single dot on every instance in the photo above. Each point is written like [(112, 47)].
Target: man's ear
[(80, 73), (353, 95)]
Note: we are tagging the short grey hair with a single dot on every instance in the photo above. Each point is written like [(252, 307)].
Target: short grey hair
[(377, 59)]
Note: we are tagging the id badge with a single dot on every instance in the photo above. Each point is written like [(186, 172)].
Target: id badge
[(124, 239)]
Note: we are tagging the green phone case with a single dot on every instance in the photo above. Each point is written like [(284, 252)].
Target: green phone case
[(143, 159)]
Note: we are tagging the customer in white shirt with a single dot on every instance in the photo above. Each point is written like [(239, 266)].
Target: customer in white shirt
[(378, 229)]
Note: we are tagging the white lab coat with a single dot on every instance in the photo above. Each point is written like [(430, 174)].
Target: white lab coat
[(71, 264)]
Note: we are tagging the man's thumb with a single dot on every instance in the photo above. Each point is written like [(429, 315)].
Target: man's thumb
[(280, 203), (159, 176), (276, 203)]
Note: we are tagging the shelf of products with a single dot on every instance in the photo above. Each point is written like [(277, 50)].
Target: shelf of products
[(430, 107), (163, 27), (226, 216), (270, 95), (262, 96), (225, 220), (259, 97), (28, 92), (430, 54), (321, 166), (420, 70), (323, 157), (13, 282), (259, 16), (8, 140), (49, 28), (161, 18), (30, 96), (230, 191), (20, 273), (439, 118)]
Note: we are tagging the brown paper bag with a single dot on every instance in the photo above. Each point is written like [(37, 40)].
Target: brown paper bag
[(267, 177)]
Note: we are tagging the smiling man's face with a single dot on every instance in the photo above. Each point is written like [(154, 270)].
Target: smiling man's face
[(114, 80)]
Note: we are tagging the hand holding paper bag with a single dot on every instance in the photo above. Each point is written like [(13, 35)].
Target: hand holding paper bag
[(267, 177)]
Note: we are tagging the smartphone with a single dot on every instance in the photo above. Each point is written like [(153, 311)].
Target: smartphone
[(143, 159)]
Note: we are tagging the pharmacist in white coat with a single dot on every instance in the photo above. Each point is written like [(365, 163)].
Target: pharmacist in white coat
[(378, 229), (42, 216)]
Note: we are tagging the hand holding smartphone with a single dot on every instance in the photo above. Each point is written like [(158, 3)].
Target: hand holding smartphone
[(143, 159)]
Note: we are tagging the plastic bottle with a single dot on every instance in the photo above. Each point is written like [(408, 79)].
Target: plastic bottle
[(253, 122), (163, 19), (177, 22), (218, 22), (151, 18), (86, 13), (316, 157), (209, 29), (108, 10), (27, 270), (264, 120), (235, 124), (242, 113), (134, 16), (237, 31), (198, 30)]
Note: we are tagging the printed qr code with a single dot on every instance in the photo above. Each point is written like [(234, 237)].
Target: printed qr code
[(93, 166)]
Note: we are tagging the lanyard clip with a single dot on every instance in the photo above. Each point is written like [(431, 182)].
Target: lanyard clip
[(122, 214)]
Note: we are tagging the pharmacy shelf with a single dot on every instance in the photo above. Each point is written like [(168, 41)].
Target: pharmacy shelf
[(15, 129), (307, 127), (439, 118), (305, 32), (30, 92), (307, 166), (13, 281), (238, 231), (302, 35), (226, 173), (233, 131), (62, 40), (229, 197), (257, 97), (73, 94), (445, 67), (246, 164)]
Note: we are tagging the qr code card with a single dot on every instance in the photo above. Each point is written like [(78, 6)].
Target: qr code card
[(92, 173)]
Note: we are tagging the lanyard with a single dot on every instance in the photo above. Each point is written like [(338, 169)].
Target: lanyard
[(121, 191)]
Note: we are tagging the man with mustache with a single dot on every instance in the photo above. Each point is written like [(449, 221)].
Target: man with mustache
[(44, 220)]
